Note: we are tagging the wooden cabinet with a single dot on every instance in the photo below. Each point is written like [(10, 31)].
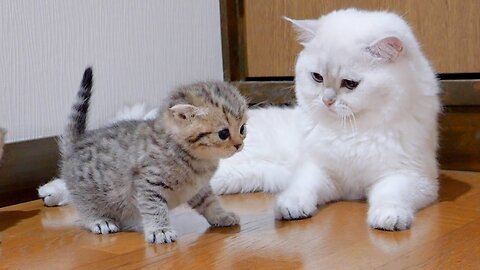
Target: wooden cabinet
[(449, 31)]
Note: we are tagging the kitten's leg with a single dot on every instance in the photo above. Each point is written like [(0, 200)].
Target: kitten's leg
[(54, 193), (156, 221), (310, 187), (95, 216), (102, 226), (233, 177), (395, 199), (206, 203)]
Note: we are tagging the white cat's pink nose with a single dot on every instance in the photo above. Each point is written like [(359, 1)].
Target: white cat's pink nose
[(328, 102)]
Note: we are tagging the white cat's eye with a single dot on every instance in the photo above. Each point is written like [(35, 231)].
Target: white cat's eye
[(349, 84), (317, 77)]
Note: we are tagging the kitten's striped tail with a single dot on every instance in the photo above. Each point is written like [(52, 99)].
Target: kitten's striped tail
[(78, 119)]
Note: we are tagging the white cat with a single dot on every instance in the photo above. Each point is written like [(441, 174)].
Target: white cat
[(365, 125)]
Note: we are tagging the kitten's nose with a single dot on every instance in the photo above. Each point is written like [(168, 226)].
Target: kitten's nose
[(238, 146), (328, 102)]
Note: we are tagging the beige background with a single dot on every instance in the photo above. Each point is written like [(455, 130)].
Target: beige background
[(139, 50)]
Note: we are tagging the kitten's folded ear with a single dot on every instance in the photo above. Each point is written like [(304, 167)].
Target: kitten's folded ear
[(388, 48), (306, 29), (187, 111)]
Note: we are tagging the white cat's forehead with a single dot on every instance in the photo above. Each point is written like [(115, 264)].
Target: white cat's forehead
[(330, 63)]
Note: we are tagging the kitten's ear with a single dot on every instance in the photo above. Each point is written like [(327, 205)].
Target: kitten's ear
[(388, 48), (187, 111), (306, 29)]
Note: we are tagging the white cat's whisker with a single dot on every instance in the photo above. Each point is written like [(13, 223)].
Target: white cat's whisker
[(354, 121), (350, 121)]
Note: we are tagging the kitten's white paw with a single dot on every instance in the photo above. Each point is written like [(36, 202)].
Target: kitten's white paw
[(225, 219), (390, 217), (104, 227), (54, 193), (165, 235), (290, 206)]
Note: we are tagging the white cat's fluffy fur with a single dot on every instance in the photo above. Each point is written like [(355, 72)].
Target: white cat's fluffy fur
[(377, 141)]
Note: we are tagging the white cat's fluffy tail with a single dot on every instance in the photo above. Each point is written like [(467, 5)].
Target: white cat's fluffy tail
[(136, 112), (271, 150), (234, 176)]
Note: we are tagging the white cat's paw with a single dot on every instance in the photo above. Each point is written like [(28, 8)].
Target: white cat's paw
[(54, 193), (225, 219), (291, 206), (165, 235), (103, 227), (390, 217)]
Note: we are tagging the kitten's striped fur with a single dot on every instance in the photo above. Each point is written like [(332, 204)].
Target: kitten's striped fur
[(128, 175)]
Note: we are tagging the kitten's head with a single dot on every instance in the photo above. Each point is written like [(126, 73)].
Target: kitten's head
[(208, 119), (357, 63)]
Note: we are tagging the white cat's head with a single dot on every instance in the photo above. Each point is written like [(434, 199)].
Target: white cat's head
[(361, 63)]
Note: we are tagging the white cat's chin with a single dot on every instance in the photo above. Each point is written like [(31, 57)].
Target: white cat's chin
[(335, 112)]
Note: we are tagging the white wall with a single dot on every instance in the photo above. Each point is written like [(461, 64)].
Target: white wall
[(138, 49)]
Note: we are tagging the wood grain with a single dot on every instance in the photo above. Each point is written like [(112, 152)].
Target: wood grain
[(449, 31), (444, 236)]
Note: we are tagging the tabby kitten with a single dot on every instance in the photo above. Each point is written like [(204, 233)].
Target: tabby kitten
[(127, 176)]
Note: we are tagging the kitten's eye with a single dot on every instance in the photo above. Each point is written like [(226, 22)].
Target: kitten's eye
[(224, 134), (349, 84), (317, 77), (243, 130)]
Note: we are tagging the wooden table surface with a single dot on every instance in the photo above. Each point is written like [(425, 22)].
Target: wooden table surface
[(445, 235)]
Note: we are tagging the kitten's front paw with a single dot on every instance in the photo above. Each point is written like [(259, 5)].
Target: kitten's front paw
[(225, 219), (104, 227), (294, 206), (390, 217), (165, 235)]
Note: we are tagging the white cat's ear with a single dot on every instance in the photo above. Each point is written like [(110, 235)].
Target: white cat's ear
[(187, 111), (306, 29), (388, 48)]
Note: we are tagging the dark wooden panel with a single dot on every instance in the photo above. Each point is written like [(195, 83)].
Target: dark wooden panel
[(233, 40), (454, 92), (460, 138), (461, 93), (26, 165), (274, 93)]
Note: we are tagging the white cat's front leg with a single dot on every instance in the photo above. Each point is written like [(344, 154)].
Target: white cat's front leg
[(395, 199), (54, 193), (310, 187)]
